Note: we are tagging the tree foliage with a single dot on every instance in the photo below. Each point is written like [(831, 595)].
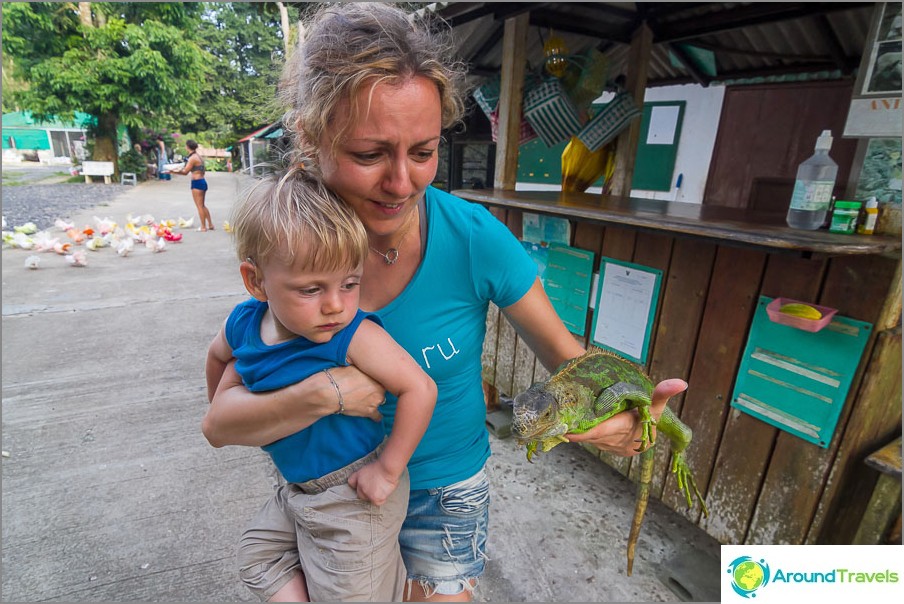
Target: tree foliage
[(133, 65), (245, 43)]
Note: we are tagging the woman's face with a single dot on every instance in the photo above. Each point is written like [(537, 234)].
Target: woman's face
[(388, 156)]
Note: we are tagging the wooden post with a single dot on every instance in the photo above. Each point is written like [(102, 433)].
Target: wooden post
[(638, 62), (514, 44)]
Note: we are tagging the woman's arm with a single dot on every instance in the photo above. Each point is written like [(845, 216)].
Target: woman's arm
[(193, 160), (538, 324), (237, 416)]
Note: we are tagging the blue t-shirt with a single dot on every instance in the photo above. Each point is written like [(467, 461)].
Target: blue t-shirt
[(440, 319), (333, 441)]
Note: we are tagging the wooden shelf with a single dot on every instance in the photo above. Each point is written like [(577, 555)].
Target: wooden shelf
[(730, 225)]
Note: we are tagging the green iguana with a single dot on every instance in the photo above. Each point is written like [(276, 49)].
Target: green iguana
[(587, 390)]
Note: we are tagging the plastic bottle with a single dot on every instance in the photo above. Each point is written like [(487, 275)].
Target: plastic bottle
[(813, 187), (871, 213)]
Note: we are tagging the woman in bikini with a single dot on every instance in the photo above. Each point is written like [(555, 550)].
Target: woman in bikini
[(194, 165)]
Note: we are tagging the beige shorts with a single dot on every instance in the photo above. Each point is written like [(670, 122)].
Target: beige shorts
[(347, 548)]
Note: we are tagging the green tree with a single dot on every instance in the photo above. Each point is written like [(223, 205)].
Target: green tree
[(124, 63), (245, 41)]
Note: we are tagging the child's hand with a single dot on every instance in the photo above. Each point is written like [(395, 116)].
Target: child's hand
[(373, 483)]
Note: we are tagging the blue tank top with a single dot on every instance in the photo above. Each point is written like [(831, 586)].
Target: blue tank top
[(330, 443)]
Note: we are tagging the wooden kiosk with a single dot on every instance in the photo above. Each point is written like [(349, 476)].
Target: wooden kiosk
[(763, 484)]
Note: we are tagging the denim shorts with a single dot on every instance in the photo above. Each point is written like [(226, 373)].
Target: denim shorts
[(444, 536), (199, 184)]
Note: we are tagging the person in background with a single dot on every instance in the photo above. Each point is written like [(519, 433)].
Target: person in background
[(346, 490), (162, 160), (369, 93), (194, 165)]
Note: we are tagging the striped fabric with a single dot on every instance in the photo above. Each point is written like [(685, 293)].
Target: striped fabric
[(551, 113), (609, 122)]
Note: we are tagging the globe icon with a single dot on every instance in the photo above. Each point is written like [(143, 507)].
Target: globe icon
[(748, 575)]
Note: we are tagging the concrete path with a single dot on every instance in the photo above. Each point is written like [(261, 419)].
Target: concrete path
[(110, 492)]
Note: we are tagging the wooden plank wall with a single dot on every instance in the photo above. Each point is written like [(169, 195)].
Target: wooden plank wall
[(762, 485)]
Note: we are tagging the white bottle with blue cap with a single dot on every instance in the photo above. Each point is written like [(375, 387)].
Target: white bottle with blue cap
[(813, 187)]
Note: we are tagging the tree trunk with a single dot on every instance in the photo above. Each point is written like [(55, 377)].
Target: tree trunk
[(105, 141), (284, 23), (84, 14)]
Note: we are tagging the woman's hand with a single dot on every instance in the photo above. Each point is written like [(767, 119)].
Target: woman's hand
[(361, 394), (621, 433)]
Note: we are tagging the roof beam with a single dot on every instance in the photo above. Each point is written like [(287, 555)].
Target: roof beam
[(594, 29), (488, 44), (757, 13), (500, 11)]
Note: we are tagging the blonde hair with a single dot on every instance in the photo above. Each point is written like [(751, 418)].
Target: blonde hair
[(285, 212), (348, 46)]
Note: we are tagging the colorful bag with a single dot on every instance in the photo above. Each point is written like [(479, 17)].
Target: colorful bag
[(551, 113), (526, 134), (610, 121), (487, 95)]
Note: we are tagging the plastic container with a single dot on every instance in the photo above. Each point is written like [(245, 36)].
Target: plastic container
[(870, 213), (813, 187), (844, 217), (814, 325)]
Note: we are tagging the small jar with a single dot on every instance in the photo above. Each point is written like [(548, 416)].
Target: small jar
[(844, 217)]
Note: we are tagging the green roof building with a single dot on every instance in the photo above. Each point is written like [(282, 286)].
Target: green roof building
[(21, 132)]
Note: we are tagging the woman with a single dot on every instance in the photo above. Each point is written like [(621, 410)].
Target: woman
[(369, 94), (194, 165)]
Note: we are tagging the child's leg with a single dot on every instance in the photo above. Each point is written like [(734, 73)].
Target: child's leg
[(267, 555), (296, 590)]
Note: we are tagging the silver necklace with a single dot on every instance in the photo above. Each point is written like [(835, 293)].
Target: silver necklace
[(392, 254)]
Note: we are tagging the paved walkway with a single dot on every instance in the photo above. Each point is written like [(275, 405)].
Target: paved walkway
[(111, 493)]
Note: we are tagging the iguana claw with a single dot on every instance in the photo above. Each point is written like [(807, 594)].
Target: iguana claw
[(646, 435), (686, 482)]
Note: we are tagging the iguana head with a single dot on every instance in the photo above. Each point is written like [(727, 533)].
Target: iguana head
[(536, 420)]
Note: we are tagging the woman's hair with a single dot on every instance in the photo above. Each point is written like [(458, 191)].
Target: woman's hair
[(285, 212), (191, 144), (349, 46)]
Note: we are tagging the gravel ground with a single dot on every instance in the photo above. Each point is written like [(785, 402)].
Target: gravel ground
[(43, 204)]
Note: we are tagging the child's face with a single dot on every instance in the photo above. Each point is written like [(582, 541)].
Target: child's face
[(312, 305)]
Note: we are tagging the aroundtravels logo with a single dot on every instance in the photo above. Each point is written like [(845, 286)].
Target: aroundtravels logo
[(811, 573), (748, 575)]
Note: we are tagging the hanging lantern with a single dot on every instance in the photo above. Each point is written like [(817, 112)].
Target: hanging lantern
[(555, 51)]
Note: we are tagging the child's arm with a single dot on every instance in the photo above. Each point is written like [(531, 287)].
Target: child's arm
[(219, 353), (375, 353)]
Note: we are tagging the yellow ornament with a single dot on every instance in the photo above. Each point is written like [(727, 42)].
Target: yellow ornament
[(555, 51)]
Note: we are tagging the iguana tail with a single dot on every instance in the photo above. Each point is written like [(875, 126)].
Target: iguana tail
[(640, 507)]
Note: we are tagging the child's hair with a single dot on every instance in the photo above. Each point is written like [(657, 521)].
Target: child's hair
[(284, 211)]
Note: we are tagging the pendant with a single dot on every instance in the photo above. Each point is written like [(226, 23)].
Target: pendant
[(391, 255)]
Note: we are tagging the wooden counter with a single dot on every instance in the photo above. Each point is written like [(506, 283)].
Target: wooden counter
[(762, 484), (728, 225)]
